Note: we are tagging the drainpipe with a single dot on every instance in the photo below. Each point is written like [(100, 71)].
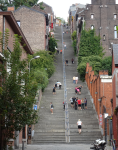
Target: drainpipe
[(3, 35)]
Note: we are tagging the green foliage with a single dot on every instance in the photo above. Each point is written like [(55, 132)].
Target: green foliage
[(74, 44), (42, 68), (62, 20), (94, 61), (18, 91), (74, 35), (107, 64), (41, 5), (97, 64), (81, 69), (17, 3), (89, 44), (52, 44)]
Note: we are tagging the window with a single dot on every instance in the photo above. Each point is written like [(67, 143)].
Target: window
[(115, 33), (92, 27), (92, 16), (18, 22), (104, 37), (115, 16)]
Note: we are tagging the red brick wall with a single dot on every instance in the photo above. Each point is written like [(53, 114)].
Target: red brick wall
[(103, 89)]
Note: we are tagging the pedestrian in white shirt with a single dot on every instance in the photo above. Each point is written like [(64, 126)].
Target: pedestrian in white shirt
[(76, 79), (79, 123)]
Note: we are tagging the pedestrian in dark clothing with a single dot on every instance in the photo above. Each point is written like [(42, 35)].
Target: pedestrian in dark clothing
[(85, 102), (55, 85), (76, 105), (67, 62), (74, 99), (54, 90), (72, 61), (64, 105)]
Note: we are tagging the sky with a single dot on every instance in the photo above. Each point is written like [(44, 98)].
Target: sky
[(61, 7)]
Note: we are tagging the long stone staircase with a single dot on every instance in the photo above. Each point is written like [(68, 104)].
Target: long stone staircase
[(51, 127)]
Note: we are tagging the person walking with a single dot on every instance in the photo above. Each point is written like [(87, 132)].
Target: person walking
[(56, 85), (76, 90), (64, 105), (72, 61), (82, 104), (61, 51), (66, 62), (65, 46), (79, 123), (85, 102), (54, 90), (51, 107), (79, 104), (71, 100), (60, 85), (76, 79), (76, 103)]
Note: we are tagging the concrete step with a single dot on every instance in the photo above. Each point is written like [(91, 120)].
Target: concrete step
[(51, 128)]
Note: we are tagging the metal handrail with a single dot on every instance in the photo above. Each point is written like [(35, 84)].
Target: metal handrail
[(67, 129)]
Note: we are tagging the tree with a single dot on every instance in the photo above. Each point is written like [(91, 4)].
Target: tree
[(62, 20), (52, 44), (45, 62), (41, 5), (89, 44), (17, 3), (18, 91), (94, 61), (107, 64)]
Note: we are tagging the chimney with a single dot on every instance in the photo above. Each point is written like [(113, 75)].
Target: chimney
[(12, 8)]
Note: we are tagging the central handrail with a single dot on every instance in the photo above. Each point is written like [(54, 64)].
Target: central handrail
[(67, 128)]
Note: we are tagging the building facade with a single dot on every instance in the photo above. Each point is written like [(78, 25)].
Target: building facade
[(48, 9), (115, 91), (7, 21), (100, 87), (33, 24), (101, 15)]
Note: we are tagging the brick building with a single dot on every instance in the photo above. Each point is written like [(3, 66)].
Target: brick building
[(115, 90), (8, 21), (101, 15), (33, 24), (48, 9), (100, 87), (73, 10)]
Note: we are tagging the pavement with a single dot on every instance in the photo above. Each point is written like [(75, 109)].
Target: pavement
[(62, 147)]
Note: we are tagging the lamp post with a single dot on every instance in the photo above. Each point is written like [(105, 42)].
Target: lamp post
[(36, 57)]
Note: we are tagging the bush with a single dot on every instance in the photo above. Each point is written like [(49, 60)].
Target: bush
[(74, 44)]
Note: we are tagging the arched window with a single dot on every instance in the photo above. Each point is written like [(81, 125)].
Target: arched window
[(115, 32), (92, 27), (104, 37)]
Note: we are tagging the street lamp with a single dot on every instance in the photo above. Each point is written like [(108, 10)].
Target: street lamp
[(35, 57)]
